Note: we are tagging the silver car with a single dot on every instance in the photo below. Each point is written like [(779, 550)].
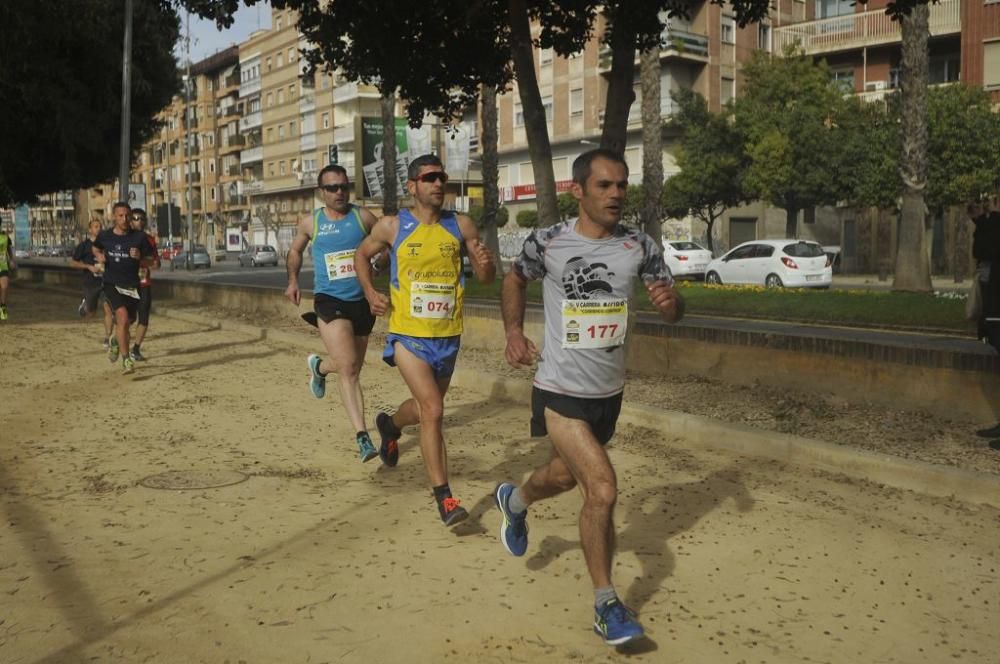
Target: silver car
[(259, 254), (199, 258)]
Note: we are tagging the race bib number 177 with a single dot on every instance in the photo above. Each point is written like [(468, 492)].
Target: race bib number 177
[(594, 323)]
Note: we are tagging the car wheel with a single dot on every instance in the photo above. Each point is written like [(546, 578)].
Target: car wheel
[(253, 262), (713, 278), (773, 281)]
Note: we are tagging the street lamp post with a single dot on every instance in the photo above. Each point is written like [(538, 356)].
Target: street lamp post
[(124, 162), (187, 139)]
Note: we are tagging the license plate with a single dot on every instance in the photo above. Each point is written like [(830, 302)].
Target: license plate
[(813, 277), (701, 266)]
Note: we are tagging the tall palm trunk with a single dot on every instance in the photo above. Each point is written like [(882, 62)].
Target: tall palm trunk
[(535, 124), (621, 94), (491, 171), (913, 270), (390, 196), (652, 144)]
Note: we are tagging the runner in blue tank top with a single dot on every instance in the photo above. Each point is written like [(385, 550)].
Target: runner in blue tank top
[(342, 313)]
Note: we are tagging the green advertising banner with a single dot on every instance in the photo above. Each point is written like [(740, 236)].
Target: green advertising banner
[(372, 167)]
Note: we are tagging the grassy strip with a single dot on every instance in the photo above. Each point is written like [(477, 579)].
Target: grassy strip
[(864, 308)]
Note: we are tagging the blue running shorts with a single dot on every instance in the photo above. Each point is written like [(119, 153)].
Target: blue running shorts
[(440, 353)]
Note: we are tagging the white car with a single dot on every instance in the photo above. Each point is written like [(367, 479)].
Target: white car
[(686, 259), (773, 263)]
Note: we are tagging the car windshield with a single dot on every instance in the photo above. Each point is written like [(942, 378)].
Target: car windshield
[(268, 249), (685, 246), (803, 250)]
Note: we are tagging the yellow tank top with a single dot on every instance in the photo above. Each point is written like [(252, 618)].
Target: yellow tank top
[(426, 284)]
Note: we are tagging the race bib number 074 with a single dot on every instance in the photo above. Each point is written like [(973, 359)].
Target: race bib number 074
[(429, 300), (594, 323)]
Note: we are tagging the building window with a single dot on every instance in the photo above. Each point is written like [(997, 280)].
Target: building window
[(291, 92), (281, 133), (270, 168), (284, 205), (291, 54), (728, 35), (291, 129), (281, 167), (991, 64), (518, 115), (277, 23), (843, 78), (280, 60), (943, 68), (213, 193), (728, 90), (326, 121), (281, 96), (576, 101), (211, 166), (764, 37), (268, 64), (270, 134), (545, 56), (270, 99), (547, 105), (525, 173)]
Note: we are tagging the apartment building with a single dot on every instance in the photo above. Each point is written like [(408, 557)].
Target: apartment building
[(194, 161), (703, 53)]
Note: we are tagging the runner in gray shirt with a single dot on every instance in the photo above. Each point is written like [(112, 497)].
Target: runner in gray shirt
[(587, 265)]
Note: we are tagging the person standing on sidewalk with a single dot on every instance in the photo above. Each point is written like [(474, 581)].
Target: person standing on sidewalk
[(139, 223), (83, 258), (122, 251), (426, 286), (7, 264), (986, 252), (587, 266), (342, 313)]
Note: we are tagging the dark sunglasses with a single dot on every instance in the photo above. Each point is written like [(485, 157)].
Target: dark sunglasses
[(334, 188), (138, 217), (434, 176)]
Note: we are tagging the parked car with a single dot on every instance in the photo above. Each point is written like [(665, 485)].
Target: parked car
[(259, 254), (686, 259), (168, 251), (773, 263), (21, 253), (199, 258)]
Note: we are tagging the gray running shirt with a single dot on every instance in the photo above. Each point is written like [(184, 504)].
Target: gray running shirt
[(578, 268)]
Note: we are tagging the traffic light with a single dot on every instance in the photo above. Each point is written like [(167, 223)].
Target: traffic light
[(334, 154)]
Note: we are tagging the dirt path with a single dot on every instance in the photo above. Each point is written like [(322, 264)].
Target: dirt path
[(318, 558)]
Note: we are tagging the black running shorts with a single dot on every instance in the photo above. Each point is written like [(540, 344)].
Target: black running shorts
[(119, 300), (92, 291), (330, 308), (145, 304), (601, 414)]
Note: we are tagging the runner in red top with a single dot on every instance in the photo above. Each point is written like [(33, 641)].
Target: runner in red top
[(139, 223)]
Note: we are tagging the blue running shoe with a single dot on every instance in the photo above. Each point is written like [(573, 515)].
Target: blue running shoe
[(366, 448), (389, 449), (317, 383), (514, 528), (615, 623)]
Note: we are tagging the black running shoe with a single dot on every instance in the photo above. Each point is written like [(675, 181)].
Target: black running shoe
[(451, 511), (388, 451)]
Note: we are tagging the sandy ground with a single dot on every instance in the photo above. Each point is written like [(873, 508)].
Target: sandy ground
[(316, 557)]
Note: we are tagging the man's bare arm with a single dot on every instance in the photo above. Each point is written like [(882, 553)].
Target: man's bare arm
[(293, 261), (481, 258)]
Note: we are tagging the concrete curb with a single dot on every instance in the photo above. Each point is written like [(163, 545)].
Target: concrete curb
[(706, 433)]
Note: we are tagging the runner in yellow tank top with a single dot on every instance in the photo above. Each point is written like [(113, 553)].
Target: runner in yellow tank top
[(426, 286)]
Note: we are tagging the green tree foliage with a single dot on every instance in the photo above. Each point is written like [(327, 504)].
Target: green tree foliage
[(527, 219), (569, 207), (711, 161), (791, 119), (60, 90), (477, 214)]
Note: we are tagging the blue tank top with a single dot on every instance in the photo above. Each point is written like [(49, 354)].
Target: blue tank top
[(334, 242)]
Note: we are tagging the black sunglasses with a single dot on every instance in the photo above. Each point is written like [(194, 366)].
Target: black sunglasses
[(434, 176), (138, 217), (334, 188)]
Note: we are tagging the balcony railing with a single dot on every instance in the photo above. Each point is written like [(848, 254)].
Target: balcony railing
[(234, 141), (251, 120), (351, 91), (250, 87), (680, 43), (307, 142), (871, 28), (232, 80), (194, 177), (249, 156), (233, 171), (344, 134)]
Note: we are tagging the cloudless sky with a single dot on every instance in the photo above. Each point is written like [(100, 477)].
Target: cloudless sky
[(206, 39)]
